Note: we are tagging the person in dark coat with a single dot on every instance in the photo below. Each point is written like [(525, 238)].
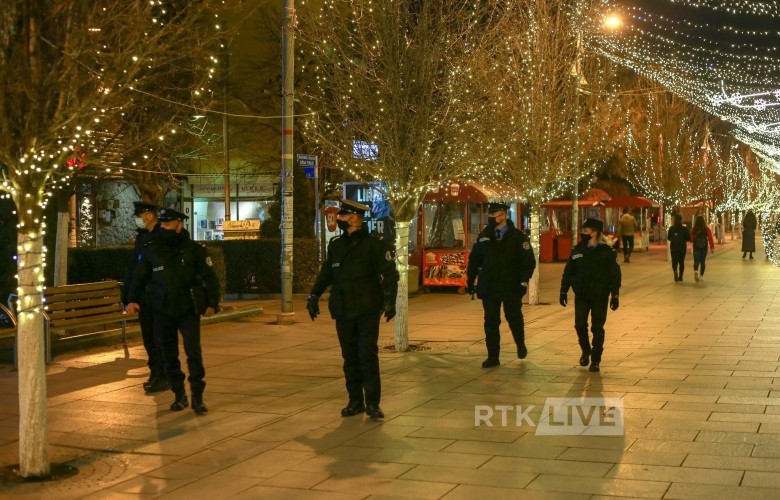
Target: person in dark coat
[(749, 226), (176, 276), (147, 229), (501, 262), (361, 273), (593, 273), (678, 236)]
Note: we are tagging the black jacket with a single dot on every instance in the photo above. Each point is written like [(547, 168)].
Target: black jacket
[(166, 272), (144, 236), (360, 269), (678, 236), (593, 272), (502, 266)]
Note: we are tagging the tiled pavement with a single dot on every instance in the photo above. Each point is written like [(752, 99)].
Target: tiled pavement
[(695, 364)]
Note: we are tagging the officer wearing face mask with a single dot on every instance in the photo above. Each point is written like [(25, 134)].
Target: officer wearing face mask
[(501, 262), (360, 271), (594, 274), (171, 273), (147, 228)]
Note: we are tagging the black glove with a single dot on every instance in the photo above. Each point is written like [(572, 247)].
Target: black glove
[(471, 291), (313, 306), (389, 311), (614, 303), (564, 299), (524, 288)]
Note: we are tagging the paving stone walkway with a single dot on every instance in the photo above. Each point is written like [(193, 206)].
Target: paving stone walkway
[(696, 366)]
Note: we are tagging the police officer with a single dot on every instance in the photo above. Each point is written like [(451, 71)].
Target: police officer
[(171, 273), (147, 228), (503, 260), (360, 269), (593, 272)]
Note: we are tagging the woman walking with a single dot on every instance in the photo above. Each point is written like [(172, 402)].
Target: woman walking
[(678, 236), (701, 237), (749, 225)]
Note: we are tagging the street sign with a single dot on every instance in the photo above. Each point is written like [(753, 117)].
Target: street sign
[(309, 165)]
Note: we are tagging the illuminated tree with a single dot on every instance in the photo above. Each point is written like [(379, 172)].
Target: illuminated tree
[(76, 77)]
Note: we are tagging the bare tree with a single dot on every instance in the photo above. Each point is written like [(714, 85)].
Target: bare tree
[(551, 98), (75, 76), (395, 102)]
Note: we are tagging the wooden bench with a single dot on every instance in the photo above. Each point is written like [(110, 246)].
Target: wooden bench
[(68, 307)]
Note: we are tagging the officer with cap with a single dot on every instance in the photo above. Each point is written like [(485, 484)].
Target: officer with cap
[(501, 262), (593, 272), (360, 270), (147, 228), (171, 274)]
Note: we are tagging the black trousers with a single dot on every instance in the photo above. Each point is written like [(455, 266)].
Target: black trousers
[(678, 260), (358, 339), (167, 329), (513, 312), (628, 245), (597, 310), (152, 346)]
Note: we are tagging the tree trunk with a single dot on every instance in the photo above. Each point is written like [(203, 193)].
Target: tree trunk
[(72, 241), (33, 433), (575, 213), (61, 247), (402, 299), (535, 227)]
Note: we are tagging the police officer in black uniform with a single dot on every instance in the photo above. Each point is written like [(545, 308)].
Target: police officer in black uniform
[(173, 273), (148, 227), (360, 269), (503, 260), (593, 272)]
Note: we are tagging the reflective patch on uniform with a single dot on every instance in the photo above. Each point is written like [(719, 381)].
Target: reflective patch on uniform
[(483, 239), (336, 264), (576, 256), (526, 245), (388, 256), (161, 268), (208, 261)]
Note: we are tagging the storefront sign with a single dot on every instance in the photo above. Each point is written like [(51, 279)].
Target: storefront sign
[(241, 225), (330, 218)]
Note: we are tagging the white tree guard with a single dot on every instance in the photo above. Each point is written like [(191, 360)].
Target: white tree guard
[(402, 299), (535, 227)]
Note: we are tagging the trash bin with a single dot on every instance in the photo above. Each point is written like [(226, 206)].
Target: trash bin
[(414, 279)]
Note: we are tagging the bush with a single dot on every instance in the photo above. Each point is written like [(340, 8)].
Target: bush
[(87, 265), (255, 265)]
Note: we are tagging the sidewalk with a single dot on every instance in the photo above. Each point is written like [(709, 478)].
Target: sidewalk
[(695, 363)]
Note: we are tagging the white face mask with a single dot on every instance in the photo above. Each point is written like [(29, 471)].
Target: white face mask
[(140, 224)]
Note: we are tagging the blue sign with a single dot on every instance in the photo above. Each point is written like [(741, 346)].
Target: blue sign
[(310, 172), (309, 164)]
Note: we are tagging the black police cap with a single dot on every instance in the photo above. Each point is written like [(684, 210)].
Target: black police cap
[(169, 214), (496, 207), (352, 207), (594, 224), (140, 207)]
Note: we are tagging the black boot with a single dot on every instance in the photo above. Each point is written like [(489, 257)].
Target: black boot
[(198, 406), (595, 360), (522, 351), (374, 411), (584, 358), (676, 276), (157, 383), (490, 362), (353, 408), (181, 401)]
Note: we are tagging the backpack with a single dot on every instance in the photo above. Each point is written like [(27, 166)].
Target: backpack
[(701, 241)]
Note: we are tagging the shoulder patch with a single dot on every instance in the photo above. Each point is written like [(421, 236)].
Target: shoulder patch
[(486, 238), (208, 261), (526, 245), (388, 256)]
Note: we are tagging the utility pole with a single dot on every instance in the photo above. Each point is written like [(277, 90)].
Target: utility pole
[(225, 128), (285, 317)]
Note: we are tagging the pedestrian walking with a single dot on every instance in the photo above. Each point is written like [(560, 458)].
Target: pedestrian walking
[(626, 229), (176, 276), (361, 273), (593, 273), (678, 236), (749, 226), (501, 262), (147, 228), (701, 237)]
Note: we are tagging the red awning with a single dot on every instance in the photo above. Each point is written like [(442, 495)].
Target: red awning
[(567, 203), (631, 202)]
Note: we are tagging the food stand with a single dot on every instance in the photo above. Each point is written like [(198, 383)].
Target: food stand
[(644, 205), (449, 222), (555, 239)]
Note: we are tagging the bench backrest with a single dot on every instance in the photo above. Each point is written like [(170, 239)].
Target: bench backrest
[(70, 304)]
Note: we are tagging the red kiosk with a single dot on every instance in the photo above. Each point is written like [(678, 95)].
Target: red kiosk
[(448, 223), (555, 239), (644, 205)]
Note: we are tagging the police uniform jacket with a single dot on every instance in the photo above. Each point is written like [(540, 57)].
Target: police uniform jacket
[(143, 237), (168, 268), (502, 266), (593, 272), (360, 269)]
